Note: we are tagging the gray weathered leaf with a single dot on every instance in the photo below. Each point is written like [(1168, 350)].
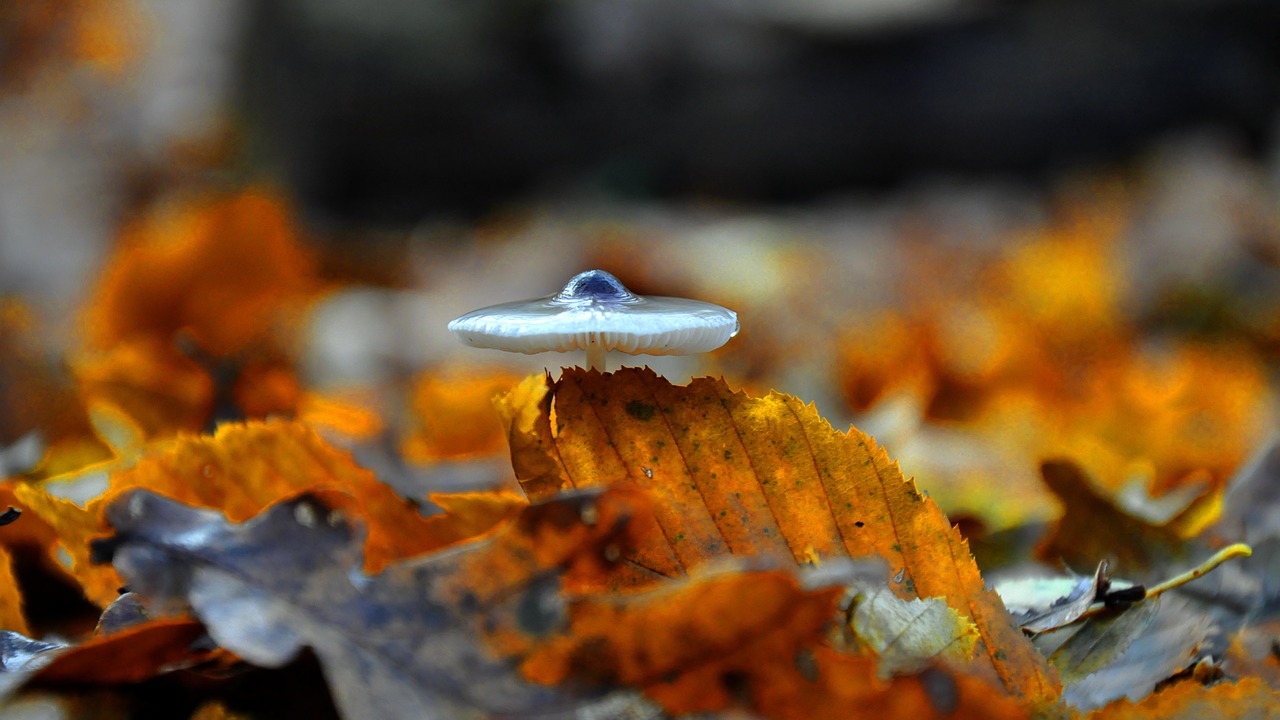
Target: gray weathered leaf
[(1101, 640), (1044, 604), (20, 658), (910, 635), (403, 644), (1156, 638)]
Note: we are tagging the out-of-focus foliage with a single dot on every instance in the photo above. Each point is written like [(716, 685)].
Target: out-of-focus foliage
[(210, 432)]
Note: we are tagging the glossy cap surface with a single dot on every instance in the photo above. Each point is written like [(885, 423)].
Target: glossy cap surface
[(595, 308)]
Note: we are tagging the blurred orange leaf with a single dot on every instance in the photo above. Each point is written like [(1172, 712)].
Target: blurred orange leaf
[(1248, 698), (1093, 528), (453, 415), (11, 617), (131, 655), (221, 269), (846, 686), (158, 389), (737, 475)]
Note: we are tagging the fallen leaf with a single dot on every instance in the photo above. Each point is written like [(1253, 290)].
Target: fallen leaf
[(1160, 642), (452, 415), (1098, 642), (11, 616), (1092, 527), (152, 384), (240, 470), (910, 635), (470, 514), (732, 475), (220, 268), (19, 653), (128, 656), (846, 687), (695, 645), (424, 638), (1044, 604), (123, 613), (1246, 699)]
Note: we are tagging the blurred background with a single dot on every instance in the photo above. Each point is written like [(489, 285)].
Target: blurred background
[(986, 232)]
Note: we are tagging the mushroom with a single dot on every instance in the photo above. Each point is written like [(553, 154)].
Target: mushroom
[(596, 313)]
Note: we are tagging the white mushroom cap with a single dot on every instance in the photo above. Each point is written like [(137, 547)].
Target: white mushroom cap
[(595, 312)]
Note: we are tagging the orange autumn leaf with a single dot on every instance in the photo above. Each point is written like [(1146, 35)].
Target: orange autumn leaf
[(345, 417), (846, 687), (453, 415), (1062, 280), (265, 388), (467, 515), (222, 269), (734, 475), (11, 616), (239, 470), (1247, 698), (880, 357), (688, 645), (158, 389), (131, 655)]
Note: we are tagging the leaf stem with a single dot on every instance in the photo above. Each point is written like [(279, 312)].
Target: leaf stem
[(1223, 555)]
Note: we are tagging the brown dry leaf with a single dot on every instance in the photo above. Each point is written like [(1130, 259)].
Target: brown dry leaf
[(240, 470), (220, 268), (733, 475), (1248, 698), (1092, 527), (29, 531), (11, 616), (691, 646), (453, 415)]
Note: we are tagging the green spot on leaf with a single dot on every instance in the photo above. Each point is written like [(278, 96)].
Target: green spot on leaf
[(641, 411)]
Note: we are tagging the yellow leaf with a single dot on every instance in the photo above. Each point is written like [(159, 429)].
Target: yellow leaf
[(732, 475)]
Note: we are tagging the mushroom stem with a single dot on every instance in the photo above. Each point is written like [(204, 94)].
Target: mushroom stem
[(595, 356)]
